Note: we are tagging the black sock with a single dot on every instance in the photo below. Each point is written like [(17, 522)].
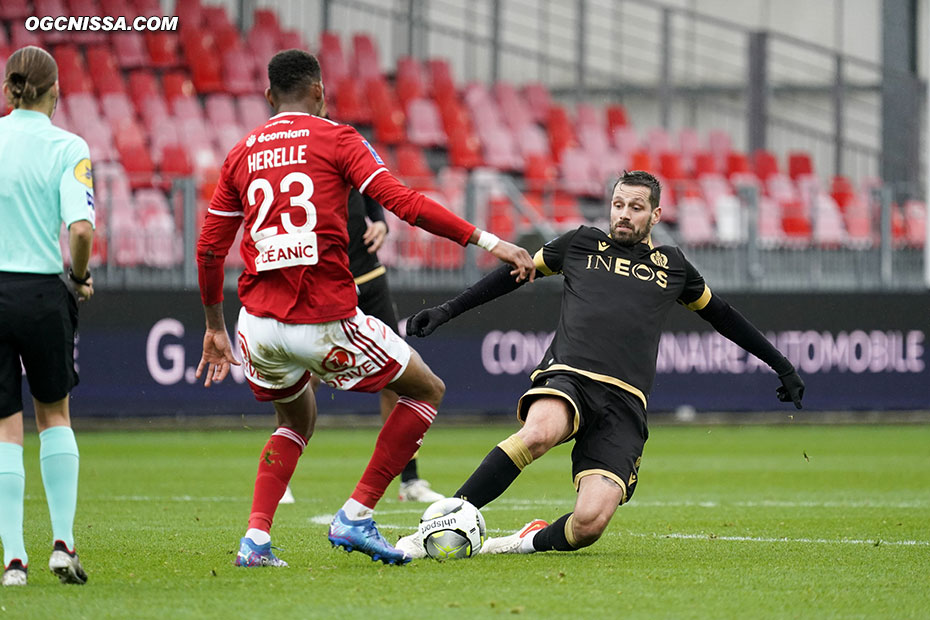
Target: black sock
[(496, 472), (552, 537), (410, 471)]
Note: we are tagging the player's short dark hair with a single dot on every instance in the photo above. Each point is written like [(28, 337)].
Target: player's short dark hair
[(291, 72), (30, 72), (642, 179)]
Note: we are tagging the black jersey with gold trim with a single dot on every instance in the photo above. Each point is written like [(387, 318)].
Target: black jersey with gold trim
[(614, 302)]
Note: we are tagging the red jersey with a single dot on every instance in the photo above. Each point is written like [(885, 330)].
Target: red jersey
[(288, 182)]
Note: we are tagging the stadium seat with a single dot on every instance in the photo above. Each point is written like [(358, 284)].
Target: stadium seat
[(254, 111), (539, 101), (540, 174), (173, 162), (413, 169), (333, 62), (20, 37), (579, 177), (238, 74), (532, 140), (440, 78), (729, 219), (719, 144), (349, 106), (73, 76), (129, 50), (87, 8), (162, 245), (704, 164), (177, 84), (768, 222), (828, 226), (641, 160), (694, 221), (670, 166), (15, 9), (190, 13), (387, 115), (616, 117), (657, 141), (409, 82), (625, 139), (559, 128), (689, 145), (764, 164), (116, 107), (737, 164), (860, 231), (105, 75), (513, 107), (424, 126), (795, 222), (464, 148), (52, 8), (163, 49), (365, 62), (915, 215), (116, 7), (799, 163), (187, 107)]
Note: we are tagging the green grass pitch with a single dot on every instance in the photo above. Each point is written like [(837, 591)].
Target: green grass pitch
[(727, 522)]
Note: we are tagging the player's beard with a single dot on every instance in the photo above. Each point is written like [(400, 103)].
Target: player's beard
[(629, 237)]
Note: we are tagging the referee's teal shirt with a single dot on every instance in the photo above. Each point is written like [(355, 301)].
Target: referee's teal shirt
[(45, 179)]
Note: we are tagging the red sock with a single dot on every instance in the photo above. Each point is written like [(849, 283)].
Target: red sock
[(275, 468), (399, 439)]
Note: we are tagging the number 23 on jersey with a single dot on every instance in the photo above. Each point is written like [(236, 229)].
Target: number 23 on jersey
[(295, 245)]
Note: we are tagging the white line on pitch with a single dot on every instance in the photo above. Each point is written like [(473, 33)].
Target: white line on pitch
[(762, 539)]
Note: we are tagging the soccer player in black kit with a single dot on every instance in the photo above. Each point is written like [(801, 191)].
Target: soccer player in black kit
[(593, 383)]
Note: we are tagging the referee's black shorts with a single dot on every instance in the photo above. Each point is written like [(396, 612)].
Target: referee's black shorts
[(38, 321), (374, 299), (609, 426)]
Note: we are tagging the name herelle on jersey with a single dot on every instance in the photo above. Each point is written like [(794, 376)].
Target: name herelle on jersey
[(288, 183)]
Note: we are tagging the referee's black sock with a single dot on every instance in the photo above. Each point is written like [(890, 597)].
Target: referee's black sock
[(497, 471), (555, 537)]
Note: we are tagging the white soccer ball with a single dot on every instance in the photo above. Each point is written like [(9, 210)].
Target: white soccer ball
[(452, 529)]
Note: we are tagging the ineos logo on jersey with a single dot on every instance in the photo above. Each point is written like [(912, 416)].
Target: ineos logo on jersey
[(338, 359)]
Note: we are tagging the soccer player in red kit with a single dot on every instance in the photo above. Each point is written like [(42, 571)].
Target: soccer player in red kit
[(287, 182)]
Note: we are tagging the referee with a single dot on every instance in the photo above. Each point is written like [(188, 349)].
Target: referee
[(45, 179), (593, 383)]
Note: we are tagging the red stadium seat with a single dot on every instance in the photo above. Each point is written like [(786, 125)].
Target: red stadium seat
[(539, 101), (350, 106), (20, 37), (561, 134), (332, 60), (365, 61), (163, 49), (409, 82), (190, 13), (795, 222), (670, 166), (616, 117), (579, 176), (177, 84), (174, 162), (704, 163), (736, 163), (464, 149), (764, 164), (799, 164), (641, 160), (842, 191), (413, 169), (266, 19), (15, 9), (105, 73), (440, 77), (73, 76), (540, 174), (143, 85), (388, 117)]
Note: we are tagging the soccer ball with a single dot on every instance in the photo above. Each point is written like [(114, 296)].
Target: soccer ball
[(452, 529)]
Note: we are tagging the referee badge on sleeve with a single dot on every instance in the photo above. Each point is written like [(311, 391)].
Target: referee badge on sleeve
[(83, 173)]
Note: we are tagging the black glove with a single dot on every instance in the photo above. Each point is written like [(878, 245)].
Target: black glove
[(792, 388), (425, 322)]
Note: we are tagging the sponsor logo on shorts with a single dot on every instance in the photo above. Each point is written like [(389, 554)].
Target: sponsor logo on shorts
[(338, 359)]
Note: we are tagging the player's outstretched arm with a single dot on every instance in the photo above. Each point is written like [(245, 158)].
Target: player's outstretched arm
[(495, 284), (734, 326), (217, 350), (514, 255)]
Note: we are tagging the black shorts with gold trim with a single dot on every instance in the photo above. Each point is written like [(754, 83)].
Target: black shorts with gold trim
[(609, 426)]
